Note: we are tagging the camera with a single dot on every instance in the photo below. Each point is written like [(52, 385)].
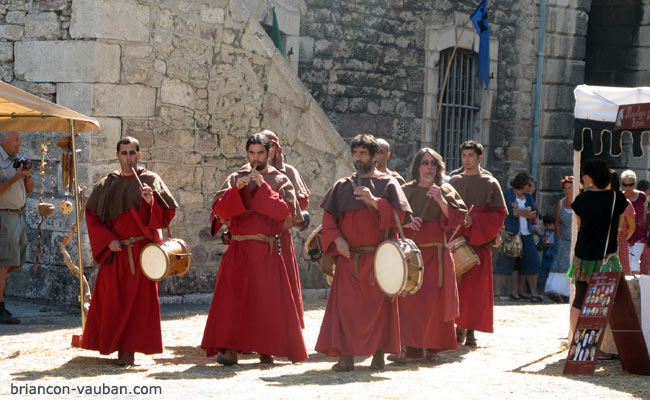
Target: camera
[(21, 161)]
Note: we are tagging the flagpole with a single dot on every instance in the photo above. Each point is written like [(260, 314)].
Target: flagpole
[(446, 77)]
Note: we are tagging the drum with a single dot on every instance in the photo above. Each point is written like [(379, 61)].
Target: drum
[(314, 248), (464, 256), (398, 267), (171, 258)]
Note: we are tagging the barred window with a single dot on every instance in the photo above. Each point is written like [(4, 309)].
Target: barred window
[(459, 105)]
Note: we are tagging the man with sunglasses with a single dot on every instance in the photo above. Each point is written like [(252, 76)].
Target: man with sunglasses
[(482, 193), (122, 217)]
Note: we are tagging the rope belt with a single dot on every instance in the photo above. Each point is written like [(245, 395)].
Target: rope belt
[(262, 238), (129, 246), (357, 251), (437, 245)]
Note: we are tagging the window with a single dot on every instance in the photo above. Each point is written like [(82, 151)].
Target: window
[(459, 108)]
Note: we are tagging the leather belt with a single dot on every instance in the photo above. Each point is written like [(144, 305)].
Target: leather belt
[(18, 211), (129, 246), (262, 238), (357, 252), (437, 245)]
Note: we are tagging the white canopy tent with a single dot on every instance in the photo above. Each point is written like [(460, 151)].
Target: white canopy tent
[(24, 112), (596, 112)]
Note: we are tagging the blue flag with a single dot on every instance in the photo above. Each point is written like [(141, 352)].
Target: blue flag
[(480, 20)]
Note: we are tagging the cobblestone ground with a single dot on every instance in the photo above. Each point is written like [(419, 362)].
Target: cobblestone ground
[(522, 359)]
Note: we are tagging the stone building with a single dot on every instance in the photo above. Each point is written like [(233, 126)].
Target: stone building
[(192, 78)]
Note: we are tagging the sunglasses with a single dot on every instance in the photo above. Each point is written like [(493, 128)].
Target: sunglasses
[(427, 163), (628, 184), (128, 153)]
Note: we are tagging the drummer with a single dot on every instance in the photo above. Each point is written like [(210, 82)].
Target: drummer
[(359, 319), (122, 218), (427, 317), (481, 226)]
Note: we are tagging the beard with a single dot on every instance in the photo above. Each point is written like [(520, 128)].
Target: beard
[(258, 165), (363, 167)]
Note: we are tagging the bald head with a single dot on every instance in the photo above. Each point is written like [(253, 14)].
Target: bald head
[(10, 142), (382, 155)]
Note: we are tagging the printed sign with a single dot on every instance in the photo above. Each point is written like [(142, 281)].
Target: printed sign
[(633, 116)]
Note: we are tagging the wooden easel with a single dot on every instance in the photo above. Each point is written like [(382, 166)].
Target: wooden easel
[(608, 299)]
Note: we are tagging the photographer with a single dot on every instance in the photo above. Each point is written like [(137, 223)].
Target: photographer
[(15, 183)]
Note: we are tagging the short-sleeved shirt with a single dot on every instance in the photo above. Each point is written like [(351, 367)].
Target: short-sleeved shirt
[(594, 209), (15, 196)]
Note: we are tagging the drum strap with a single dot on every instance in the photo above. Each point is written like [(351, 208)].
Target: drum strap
[(258, 236), (129, 246), (437, 245), (357, 252)]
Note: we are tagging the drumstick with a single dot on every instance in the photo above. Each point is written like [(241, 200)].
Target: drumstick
[(458, 227)]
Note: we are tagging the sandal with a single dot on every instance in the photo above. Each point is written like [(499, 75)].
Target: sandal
[(515, 297), (524, 296), (266, 359), (345, 364), (227, 358), (378, 362), (537, 299)]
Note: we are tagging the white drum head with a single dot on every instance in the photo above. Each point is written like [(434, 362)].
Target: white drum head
[(153, 261), (390, 272)]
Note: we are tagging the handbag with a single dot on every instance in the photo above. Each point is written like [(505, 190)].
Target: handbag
[(610, 262), (511, 244)]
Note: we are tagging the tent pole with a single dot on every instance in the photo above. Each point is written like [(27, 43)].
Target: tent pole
[(78, 222)]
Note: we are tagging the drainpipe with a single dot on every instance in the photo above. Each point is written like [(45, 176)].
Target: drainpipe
[(538, 88)]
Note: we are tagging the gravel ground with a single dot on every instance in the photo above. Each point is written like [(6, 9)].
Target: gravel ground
[(523, 359)]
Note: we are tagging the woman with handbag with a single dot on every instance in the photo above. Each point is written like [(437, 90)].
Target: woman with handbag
[(558, 287), (597, 211), (525, 263)]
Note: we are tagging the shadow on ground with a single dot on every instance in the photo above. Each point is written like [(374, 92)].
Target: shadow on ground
[(608, 373), (79, 367)]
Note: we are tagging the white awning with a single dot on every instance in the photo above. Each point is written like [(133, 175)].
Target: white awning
[(600, 103)]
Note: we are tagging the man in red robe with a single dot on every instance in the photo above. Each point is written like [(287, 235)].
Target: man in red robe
[(276, 159), (253, 309), (427, 316), (359, 319), (482, 193), (122, 218)]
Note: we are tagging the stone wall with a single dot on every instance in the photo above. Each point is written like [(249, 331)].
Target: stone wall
[(191, 80), (365, 62)]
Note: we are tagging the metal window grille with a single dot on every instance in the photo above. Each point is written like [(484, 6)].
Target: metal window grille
[(458, 108)]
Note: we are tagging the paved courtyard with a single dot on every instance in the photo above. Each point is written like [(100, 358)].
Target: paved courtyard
[(523, 359)]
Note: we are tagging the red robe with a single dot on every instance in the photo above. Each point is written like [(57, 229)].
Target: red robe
[(475, 288), (253, 307), (124, 312), (359, 318), (293, 272), (427, 317)]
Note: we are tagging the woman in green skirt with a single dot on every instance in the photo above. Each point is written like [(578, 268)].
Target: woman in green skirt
[(597, 210)]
